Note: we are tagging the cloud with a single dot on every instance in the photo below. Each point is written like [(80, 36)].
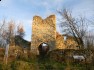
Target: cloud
[(84, 8), (24, 10), (4, 3)]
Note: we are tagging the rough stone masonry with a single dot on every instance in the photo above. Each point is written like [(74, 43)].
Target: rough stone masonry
[(43, 30)]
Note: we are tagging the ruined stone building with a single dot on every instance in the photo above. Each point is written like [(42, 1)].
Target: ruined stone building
[(44, 30), (69, 43)]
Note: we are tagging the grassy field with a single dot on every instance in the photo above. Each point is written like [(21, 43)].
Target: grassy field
[(37, 63), (49, 62)]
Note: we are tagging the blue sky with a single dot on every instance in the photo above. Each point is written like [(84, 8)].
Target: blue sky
[(24, 10)]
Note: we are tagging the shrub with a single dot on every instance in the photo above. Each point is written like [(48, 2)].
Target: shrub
[(20, 65)]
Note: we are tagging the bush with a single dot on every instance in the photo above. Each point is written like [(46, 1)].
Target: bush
[(20, 65)]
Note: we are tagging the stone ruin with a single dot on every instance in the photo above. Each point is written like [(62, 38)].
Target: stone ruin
[(43, 30)]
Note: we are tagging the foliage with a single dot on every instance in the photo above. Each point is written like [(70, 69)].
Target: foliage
[(47, 63), (20, 31)]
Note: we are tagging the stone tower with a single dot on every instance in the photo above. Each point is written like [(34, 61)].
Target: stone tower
[(43, 30)]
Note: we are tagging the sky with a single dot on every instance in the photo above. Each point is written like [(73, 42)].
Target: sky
[(22, 11)]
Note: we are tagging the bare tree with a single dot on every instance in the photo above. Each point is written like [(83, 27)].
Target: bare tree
[(4, 39), (20, 30), (11, 32), (19, 35), (7, 34), (73, 26)]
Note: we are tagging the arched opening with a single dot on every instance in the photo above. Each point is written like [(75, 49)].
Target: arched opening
[(43, 48)]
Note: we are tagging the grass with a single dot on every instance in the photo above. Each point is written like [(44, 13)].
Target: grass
[(47, 63), (42, 64)]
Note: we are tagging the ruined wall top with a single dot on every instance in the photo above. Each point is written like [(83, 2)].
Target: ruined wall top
[(39, 19)]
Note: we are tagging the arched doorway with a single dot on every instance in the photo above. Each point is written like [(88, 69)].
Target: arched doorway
[(43, 48)]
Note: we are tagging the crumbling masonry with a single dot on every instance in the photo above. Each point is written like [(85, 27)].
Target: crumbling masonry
[(43, 30)]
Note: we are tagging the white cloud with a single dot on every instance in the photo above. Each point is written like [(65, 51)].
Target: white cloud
[(85, 8), (24, 10), (5, 3)]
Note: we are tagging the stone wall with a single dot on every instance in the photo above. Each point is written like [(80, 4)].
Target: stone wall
[(43, 30), (68, 44)]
